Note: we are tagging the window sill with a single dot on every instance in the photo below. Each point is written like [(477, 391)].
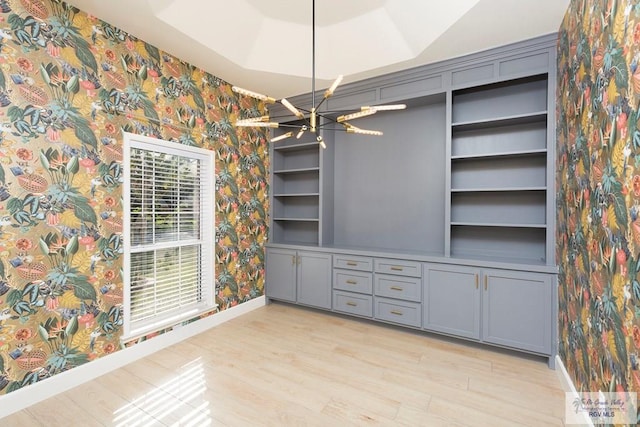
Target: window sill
[(167, 325)]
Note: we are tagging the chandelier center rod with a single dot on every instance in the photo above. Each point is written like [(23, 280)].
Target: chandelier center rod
[(313, 65), (313, 53)]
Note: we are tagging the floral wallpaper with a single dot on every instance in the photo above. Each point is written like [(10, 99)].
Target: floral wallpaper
[(598, 184), (69, 84)]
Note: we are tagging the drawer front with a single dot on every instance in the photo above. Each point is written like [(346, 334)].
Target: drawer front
[(353, 262), (404, 313), (356, 304), (399, 267), (400, 287), (352, 281)]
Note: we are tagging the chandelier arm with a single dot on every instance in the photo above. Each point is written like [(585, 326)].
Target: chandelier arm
[(283, 125), (287, 116), (340, 112), (321, 102), (341, 130), (303, 110), (372, 107), (327, 118), (334, 114)]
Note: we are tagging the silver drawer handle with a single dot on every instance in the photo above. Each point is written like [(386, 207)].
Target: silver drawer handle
[(352, 304), (396, 288), (396, 268), (352, 282), (396, 312)]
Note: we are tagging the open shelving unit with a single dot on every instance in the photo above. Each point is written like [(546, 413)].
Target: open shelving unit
[(499, 185), (296, 191)]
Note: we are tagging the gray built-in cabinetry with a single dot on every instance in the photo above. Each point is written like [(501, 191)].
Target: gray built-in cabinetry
[(445, 223), (303, 277)]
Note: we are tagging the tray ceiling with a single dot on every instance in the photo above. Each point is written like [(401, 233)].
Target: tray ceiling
[(266, 45)]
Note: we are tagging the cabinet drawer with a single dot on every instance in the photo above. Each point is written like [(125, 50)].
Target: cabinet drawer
[(405, 313), (353, 262), (400, 287), (352, 281), (396, 266), (357, 304)]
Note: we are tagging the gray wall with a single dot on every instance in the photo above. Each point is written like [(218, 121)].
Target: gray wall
[(405, 169)]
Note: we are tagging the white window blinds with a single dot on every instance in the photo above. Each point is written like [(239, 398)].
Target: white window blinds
[(170, 231)]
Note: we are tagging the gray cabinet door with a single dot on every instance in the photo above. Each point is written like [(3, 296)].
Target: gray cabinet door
[(517, 310), (314, 279), (451, 300), (281, 274)]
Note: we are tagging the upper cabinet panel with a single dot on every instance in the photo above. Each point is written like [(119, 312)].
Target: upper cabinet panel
[(527, 65), (412, 88), (477, 74), (354, 100)]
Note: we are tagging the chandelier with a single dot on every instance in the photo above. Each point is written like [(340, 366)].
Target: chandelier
[(312, 120)]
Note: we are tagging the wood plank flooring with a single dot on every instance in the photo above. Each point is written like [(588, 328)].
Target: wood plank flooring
[(281, 365)]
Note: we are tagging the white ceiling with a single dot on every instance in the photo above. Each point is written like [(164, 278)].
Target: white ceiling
[(265, 45)]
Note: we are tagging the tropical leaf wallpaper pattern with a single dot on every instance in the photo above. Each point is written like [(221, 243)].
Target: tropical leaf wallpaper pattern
[(598, 184), (69, 84)]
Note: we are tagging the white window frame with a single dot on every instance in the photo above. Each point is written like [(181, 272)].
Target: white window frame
[(207, 232)]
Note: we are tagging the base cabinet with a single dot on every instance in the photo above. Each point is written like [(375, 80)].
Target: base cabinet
[(397, 291), (496, 306), (281, 270), (517, 310), (303, 277), (353, 303), (452, 300), (503, 307), (353, 285), (398, 311)]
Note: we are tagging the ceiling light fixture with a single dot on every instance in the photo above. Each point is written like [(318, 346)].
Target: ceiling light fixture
[(309, 119)]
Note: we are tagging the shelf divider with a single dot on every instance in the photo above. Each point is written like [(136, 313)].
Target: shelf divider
[(541, 151), (536, 116), (496, 189), (300, 170), (496, 225), (296, 195), (297, 219)]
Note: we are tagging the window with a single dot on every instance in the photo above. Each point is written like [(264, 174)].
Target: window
[(169, 233)]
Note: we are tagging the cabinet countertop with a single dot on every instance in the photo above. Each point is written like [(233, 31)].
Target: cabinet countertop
[(430, 257)]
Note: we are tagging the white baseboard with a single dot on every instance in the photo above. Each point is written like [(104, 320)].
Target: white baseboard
[(568, 387), (29, 395)]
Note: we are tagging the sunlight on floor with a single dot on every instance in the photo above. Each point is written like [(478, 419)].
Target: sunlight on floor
[(178, 401)]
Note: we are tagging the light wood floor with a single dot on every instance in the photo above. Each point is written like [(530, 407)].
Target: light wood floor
[(281, 365)]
